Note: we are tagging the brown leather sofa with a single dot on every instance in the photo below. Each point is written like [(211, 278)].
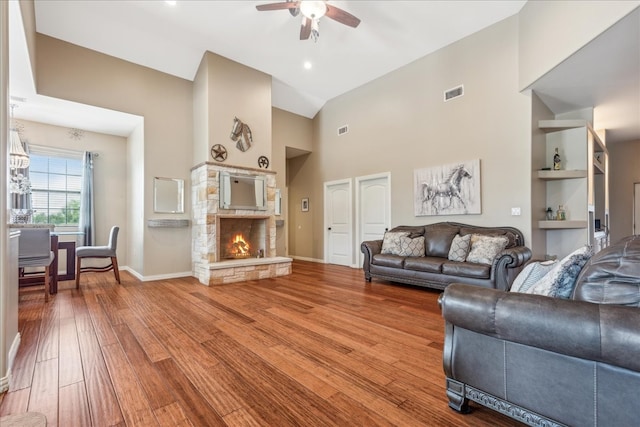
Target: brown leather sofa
[(435, 270), (547, 361)]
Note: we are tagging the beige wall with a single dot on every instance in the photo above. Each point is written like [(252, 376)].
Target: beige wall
[(624, 158), (294, 133), (231, 90), (399, 123), (551, 31), (71, 72)]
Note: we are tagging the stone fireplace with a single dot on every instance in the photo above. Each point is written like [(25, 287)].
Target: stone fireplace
[(232, 245)]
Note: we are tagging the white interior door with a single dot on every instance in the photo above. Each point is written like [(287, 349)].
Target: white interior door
[(338, 222), (373, 208)]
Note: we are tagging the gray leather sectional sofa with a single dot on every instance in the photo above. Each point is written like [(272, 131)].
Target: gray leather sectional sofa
[(435, 270), (546, 361)]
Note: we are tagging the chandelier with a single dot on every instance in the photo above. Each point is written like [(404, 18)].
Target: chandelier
[(18, 158)]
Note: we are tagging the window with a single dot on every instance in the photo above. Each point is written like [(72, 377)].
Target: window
[(56, 180)]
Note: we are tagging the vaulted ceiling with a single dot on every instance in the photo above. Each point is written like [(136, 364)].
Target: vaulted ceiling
[(173, 38)]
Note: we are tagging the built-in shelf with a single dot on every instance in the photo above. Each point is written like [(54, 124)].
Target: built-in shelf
[(598, 168), (562, 174), (167, 223), (559, 225), (558, 125)]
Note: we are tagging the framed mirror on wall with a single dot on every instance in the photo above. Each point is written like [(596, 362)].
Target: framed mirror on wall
[(168, 195)]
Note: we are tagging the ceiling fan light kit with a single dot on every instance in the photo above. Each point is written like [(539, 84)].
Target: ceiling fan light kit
[(312, 11)]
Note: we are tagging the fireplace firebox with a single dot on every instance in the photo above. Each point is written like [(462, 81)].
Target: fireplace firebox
[(242, 237)]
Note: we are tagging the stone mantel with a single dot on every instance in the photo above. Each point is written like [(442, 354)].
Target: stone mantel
[(223, 166)]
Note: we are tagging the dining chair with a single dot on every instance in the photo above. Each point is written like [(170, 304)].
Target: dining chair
[(35, 251), (109, 251)]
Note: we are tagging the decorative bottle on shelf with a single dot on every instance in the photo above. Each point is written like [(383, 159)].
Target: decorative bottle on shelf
[(557, 163), (562, 215), (549, 214)]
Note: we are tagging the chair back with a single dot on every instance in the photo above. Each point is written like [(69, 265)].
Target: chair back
[(113, 238), (34, 243)]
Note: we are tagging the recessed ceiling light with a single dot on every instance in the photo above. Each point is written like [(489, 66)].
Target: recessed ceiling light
[(171, 2), (307, 65)]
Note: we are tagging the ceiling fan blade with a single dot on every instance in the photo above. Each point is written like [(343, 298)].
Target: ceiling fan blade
[(305, 29), (278, 6), (342, 16)]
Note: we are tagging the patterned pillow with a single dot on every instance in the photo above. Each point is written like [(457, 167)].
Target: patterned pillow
[(411, 246), (560, 281), (485, 248), (391, 242), (460, 248), (531, 274)]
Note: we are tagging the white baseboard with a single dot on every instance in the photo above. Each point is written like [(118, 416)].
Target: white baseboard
[(320, 261), (301, 258), (156, 276), (11, 357)]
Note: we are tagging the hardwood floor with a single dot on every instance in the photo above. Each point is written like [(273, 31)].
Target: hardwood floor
[(320, 347)]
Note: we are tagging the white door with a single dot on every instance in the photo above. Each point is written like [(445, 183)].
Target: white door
[(338, 222), (373, 208)]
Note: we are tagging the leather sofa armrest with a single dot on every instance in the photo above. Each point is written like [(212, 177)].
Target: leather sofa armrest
[(598, 332), (516, 256), (369, 249), (507, 264)]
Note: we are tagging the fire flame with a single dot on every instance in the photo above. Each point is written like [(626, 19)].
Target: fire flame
[(238, 246)]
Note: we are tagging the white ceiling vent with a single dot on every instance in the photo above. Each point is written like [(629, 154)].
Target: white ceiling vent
[(453, 93), (343, 129)]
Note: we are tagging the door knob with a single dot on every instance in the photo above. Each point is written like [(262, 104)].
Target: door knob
[(329, 228)]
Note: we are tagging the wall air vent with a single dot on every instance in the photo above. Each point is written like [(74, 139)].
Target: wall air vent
[(343, 129), (453, 93)]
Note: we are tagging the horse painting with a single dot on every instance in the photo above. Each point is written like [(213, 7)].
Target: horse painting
[(444, 196)]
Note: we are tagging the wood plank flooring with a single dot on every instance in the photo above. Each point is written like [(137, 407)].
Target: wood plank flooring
[(320, 347)]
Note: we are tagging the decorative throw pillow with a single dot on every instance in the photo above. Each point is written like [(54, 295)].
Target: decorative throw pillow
[(531, 274), (411, 246), (460, 248), (391, 242), (485, 248), (560, 281)]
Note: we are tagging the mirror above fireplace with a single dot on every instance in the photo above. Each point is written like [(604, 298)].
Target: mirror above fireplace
[(243, 191)]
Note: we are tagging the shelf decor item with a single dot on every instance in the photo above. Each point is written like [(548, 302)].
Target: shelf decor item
[(562, 215), (557, 163), (549, 214)]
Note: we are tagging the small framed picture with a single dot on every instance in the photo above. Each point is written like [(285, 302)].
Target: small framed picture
[(305, 204)]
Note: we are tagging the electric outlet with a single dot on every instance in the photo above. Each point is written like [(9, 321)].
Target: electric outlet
[(515, 211)]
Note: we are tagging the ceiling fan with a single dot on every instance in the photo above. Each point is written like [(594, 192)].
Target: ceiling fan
[(312, 11)]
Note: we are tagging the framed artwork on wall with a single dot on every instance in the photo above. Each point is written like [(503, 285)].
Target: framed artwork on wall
[(452, 189), (305, 204)]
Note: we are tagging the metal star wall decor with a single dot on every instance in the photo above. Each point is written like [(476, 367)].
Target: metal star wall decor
[(263, 162), (219, 153)]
